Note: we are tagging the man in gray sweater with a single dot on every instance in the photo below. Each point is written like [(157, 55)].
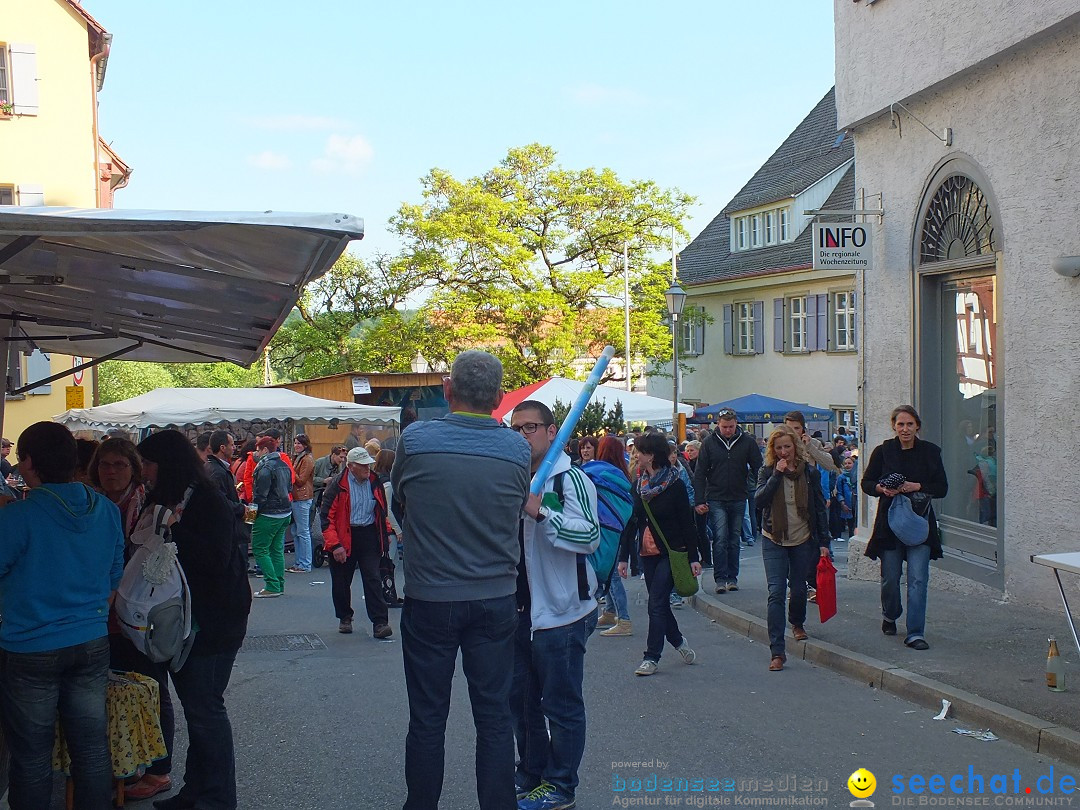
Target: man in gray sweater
[(463, 480)]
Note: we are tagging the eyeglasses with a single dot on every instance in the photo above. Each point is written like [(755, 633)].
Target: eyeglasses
[(528, 428), (114, 465)]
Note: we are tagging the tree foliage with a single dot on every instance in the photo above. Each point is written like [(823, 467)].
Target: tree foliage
[(526, 261), (121, 379), (594, 419)]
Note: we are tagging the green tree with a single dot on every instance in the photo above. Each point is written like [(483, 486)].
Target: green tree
[(121, 379), (526, 260)]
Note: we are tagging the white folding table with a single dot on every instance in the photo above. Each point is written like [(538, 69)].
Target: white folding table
[(1066, 561)]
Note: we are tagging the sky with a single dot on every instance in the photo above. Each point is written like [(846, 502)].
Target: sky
[(343, 105)]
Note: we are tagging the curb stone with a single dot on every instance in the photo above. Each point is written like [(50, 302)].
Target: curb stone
[(1025, 730)]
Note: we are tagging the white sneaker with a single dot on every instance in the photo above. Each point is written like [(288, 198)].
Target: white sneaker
[(647, 667), (688, 655)]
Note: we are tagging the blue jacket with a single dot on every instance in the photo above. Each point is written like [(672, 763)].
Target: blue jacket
[(61, 556)]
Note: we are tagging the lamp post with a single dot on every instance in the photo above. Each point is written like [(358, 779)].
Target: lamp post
[(626, 312), (676, 298), (419, 364)]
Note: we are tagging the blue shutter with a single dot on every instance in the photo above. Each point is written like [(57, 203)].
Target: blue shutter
[(822, 322), (759, 327), (699, 333), (778, 331), (728, 325), (38, 367), (812, 344)]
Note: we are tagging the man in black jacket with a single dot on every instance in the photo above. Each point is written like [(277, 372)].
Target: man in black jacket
[(222, 448), (727, 458)]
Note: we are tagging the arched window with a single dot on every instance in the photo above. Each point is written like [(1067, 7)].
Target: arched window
[(958, 223)]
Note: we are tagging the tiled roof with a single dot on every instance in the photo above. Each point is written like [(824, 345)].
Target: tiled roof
[(709, 258), (807, 155)]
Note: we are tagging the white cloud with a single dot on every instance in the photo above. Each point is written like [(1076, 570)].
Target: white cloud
[(272, 161), (296, 122), (596, 95), (344, 153)]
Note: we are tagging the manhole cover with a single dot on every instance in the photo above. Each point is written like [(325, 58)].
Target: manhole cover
[(294, 642)]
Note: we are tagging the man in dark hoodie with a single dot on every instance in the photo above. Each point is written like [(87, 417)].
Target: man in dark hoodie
[(61, 559), (727, 459)]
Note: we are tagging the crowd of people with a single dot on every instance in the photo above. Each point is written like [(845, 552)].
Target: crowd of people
[(503, 572)]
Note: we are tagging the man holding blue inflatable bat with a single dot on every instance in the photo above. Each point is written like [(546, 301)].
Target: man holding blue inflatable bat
[(556, 615)]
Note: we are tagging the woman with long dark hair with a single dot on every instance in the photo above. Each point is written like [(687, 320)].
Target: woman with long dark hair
[(205, 533), (660, 488), (900, 467)]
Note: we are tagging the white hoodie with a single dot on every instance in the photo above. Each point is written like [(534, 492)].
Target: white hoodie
[(552, 548)]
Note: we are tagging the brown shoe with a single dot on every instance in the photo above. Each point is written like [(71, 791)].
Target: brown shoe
[(345, 626), (621, 628), (382, 631), (799, 633), (607, 619), (777, 663)]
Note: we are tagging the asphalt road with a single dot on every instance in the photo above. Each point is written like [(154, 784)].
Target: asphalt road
[(323, 725)]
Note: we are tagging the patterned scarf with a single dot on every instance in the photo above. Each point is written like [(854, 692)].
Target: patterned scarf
[(651, 485), (779, 503)]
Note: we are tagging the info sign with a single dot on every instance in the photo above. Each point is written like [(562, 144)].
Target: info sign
[(842, 246)]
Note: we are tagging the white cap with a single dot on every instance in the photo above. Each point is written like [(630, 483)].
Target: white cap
[(358, 455)]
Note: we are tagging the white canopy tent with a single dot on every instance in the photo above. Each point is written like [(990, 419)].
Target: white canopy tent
[(636, 407), (165, 286), (178, 407)]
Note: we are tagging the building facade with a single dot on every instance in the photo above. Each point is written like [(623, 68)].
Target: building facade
[(964, 121), (772, 325), (53, 56)]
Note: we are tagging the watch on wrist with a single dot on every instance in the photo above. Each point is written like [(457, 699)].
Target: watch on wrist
[(542, 514)]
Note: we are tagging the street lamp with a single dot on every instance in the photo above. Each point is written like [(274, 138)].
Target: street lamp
[(676, 298), (419, 364)]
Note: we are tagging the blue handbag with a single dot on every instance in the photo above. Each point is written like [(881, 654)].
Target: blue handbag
[(910, 528)]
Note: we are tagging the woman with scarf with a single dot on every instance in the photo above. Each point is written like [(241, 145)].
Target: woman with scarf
[(661, 509), (795, 526)]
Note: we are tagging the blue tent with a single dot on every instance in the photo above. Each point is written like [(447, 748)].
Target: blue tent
[(760, 408)]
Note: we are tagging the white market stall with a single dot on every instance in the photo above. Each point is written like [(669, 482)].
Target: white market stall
[(193, 407), (636, 407)]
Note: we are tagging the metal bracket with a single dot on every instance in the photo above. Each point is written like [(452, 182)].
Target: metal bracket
[(38, 383)]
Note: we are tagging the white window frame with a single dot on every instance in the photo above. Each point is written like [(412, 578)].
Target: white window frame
[(785, 224), (795, 307), (744, 327), (755, 230), (842, 320), (689, 322), (770, 227)]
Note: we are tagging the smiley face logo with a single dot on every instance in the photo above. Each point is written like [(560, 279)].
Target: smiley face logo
[(862, 784)]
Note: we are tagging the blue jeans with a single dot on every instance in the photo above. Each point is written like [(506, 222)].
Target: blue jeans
[(616, 594), (662, 624), (431, 635), (33, 686), (549, 670), (210, 769), (786, 567), (918, 576), (302, 533), (726, 521), (747, 526)]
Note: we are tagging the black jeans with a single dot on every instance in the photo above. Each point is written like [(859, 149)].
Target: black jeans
[(662, 624), (210, 769), (431, 635), (365, 555), (33, 686), (123, 656)]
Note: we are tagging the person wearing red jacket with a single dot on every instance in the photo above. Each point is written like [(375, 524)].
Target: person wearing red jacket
[(353, 516), (247, 493)]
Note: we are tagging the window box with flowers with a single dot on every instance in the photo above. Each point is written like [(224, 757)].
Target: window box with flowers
[(7, 109)]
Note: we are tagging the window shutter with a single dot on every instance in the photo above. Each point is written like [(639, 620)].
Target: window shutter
[(854, 319), (822, 321), (31, 194), (778, 331), (699, 332), (812, 344), (24, 90), (38, 367), (759, 327), (728, 326)]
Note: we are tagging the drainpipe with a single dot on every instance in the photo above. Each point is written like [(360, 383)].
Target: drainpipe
[(95, 60)]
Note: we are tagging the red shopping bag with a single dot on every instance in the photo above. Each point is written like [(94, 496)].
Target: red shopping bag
[(826, 589)]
